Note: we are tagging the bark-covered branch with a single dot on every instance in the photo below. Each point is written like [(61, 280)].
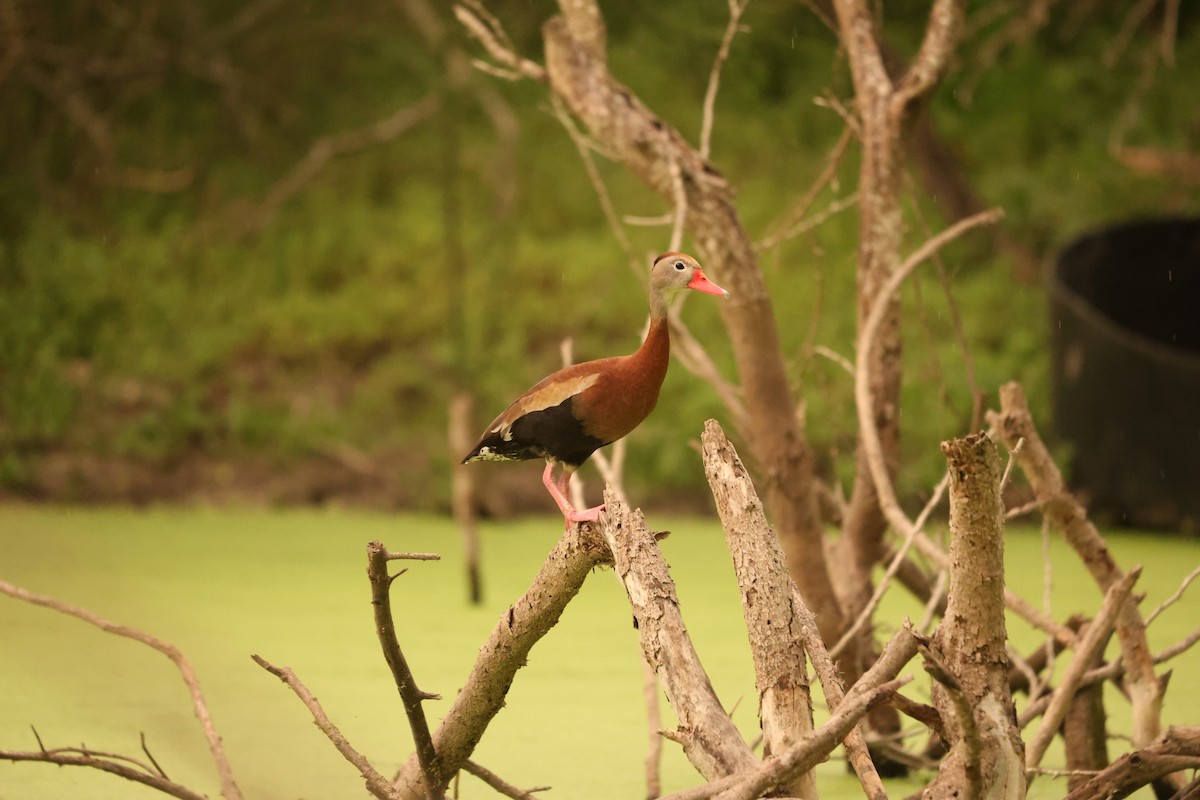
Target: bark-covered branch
[(412, 697), (1090, 646), (776, 643), (986, 758), (525, 622), (1177, 749), (113, 763), (709, 738), (1068, 515)]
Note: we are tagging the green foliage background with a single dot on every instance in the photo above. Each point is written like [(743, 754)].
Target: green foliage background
[(159, 330)]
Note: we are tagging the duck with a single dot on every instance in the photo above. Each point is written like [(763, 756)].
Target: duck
[(572, 413)]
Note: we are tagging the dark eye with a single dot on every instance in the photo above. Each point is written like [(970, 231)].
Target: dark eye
[(679, 266)]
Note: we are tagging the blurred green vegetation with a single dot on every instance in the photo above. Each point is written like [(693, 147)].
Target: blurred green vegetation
[(198, 323)]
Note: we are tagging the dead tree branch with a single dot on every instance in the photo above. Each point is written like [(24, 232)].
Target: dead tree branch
[(325, 149), (784, 699), (736, 7), (1090, 646), (709, 738), (875, 686), (1177, 749), (871, 443), (884, 111), (377, 785), (814, 748), (412, 697), (229, 788), (525, 622), (742, 517), (499, 784), (105, 762), (986, 753), (1067, 515)]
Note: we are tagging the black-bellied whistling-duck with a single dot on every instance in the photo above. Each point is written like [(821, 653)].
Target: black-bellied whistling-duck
[(569, 415)]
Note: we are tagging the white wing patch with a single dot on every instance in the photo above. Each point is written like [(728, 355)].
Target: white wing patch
[(540, 399)]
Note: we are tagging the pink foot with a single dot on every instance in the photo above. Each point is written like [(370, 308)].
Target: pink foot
[(587, 515)]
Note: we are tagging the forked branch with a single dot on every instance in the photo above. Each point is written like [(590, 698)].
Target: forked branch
[(229, 788)]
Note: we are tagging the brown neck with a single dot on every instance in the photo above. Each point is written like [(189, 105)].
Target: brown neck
[(655, 351)]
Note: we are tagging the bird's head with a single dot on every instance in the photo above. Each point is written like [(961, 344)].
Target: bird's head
[(674, 272)]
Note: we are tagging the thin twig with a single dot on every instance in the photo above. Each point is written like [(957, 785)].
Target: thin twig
[(584, 147), (499, 784), (865, 615), (325, 149), (149, 755), (487, 31), (695, 358), (1133, 20), (74, 757), (377, 784), (1047, 597), (393, 556), (680, 196), (736, 7), (835, 357), (807, 224), (1022, 510), (935, 600), (1012, 459), (1178, 648), (793, 220), (1165, 604)]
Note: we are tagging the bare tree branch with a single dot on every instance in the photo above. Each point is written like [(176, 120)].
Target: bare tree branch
[(385, 628), (893, 567), (229, 788), (871, 444), (326, 148), (790, 224), (1090, 646), (710, 739), (784, 701), (105, 762), (1177, 749), (485, 29), (736, 7), (1067, 515), (499, 784), (875, 686), (377, 785), (525, 622)]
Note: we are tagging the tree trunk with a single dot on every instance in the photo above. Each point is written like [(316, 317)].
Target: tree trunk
[(884, 108), (658, 156)]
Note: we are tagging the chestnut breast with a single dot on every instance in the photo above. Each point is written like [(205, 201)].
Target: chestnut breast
[(626, 389)]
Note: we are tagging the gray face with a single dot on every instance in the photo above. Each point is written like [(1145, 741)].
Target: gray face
[(672, 273)]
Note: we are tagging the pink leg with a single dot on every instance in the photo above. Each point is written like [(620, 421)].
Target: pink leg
[(558, 490)]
